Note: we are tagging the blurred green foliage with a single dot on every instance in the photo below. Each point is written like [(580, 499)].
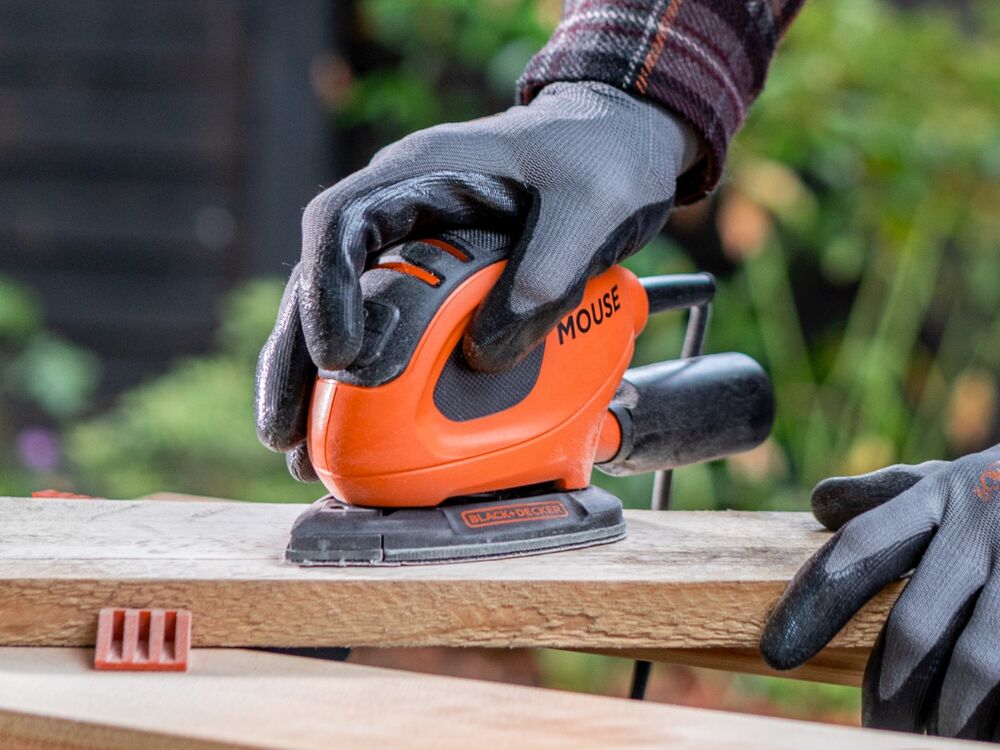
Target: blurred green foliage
[(450, 60), (871, 167), (857, 228), (192, 429), (48, 378)]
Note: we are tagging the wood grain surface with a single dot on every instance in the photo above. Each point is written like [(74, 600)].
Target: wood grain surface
[(681, 580), (50, 699)]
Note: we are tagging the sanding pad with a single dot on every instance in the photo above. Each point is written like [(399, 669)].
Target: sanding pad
[(332, 532)]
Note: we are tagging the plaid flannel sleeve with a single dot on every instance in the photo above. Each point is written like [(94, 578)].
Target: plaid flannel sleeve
[(706, 60)]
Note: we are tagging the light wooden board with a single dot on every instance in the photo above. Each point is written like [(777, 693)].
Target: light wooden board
[(680, 580), (50, 699)]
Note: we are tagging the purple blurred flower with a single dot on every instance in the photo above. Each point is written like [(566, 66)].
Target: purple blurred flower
[(38, 449)]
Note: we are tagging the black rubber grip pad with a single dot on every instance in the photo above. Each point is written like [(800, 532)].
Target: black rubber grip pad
[(462, 394)]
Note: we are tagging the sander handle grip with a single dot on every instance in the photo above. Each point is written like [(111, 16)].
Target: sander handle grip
[(686, 411)]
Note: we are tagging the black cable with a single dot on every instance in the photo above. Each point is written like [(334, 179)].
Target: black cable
[(697, 329), (661, 490), (640, 678), (694, 341)]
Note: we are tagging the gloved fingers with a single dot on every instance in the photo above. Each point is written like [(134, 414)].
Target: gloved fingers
[(341, 243), (866, 554), (299, 465), (285, 375), (559, 252), (837, 500), (907, 666), (969, 706)]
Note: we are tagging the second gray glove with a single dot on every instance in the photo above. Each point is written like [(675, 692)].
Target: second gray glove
[(936, 665)]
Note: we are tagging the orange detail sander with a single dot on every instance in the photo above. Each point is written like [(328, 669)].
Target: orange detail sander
[(428, 460)]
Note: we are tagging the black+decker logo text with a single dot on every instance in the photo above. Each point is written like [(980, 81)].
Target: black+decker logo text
[(541, 510), (586, 317)]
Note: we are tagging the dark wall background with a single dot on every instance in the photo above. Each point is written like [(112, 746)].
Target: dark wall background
[(152, 154)]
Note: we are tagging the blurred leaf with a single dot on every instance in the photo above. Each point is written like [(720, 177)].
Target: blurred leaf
[(247, 317), (19, 311), (192, 430), (445, 51), (59, 377)]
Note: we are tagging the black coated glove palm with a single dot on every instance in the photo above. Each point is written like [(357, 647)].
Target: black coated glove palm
[(584, 176), (936, 665)]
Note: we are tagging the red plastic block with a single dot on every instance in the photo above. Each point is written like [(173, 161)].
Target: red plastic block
[(143, 640), (59, 494)]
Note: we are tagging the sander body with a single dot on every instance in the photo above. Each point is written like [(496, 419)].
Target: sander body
[(429, 460)]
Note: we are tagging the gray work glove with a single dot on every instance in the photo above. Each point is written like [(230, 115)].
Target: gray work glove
[(583, 176), (936, 664)]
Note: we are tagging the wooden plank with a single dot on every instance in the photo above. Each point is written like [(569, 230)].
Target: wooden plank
[(841, 666), (51, 698), (681, 580), (182, 497)]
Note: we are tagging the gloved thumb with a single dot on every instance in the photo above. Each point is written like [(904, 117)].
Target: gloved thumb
[(837, 500)]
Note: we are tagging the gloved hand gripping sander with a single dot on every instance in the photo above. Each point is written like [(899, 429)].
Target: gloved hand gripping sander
[(429, 460)]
